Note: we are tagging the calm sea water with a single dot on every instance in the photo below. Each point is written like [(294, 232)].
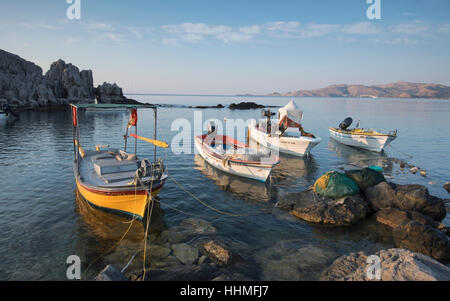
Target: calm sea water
[(42, 222)]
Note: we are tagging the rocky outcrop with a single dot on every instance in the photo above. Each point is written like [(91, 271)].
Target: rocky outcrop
[(424, 239), (109, 93), (405, 197), (245, 106), (67, 82), (395, 265), (23, 85), (310, 207), (21, 82)]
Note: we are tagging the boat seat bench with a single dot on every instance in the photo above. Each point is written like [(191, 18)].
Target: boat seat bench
[(112, 165), (118, 177)]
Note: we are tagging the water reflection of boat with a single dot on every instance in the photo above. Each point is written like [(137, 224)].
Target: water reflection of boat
[(112, 226), (294, 169), (240, 187), (360, 158), (291, 169)]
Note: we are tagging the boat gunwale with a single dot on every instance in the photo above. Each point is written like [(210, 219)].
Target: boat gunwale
[(331, 129), (305, 138), (209, 151)]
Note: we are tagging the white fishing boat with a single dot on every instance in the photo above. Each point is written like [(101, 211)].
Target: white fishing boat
[(362, 138), (234, 157), (288, 136)]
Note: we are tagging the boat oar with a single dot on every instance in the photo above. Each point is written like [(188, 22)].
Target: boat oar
[(155, 142)]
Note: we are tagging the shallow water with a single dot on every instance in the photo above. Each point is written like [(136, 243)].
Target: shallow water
[(42, 222)]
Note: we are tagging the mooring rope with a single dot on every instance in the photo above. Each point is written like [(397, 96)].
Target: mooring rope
[(211, 207)]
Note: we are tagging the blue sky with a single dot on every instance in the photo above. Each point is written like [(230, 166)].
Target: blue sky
[(230, 47)]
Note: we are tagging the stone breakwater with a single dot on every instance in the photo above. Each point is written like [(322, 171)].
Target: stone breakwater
[(23, 84)]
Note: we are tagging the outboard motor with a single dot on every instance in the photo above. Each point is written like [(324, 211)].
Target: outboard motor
[(346, 123), (211, 127), (267, 113)]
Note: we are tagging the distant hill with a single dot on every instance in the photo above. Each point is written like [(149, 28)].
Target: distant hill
[(394, 90)]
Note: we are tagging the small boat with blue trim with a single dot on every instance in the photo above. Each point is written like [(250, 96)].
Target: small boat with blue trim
[(114, 179)]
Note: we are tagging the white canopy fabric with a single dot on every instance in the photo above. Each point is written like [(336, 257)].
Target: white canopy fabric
[(291, 111)]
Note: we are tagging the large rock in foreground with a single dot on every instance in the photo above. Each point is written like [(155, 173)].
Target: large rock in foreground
[(396, 265), (424, 239), (313, 208), (405, 197), (393, 217)]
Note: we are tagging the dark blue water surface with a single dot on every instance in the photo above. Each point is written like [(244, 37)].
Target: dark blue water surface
[(41, 221)]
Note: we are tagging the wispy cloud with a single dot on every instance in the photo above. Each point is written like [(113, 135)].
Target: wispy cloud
[(394, 41), (38, 26), (444, 28), (195, 32), (361, 28), (113, 36), (412, 28), (99, 26), (170, 42)]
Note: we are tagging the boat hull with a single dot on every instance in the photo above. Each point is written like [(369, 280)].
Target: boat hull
[(296, 146), (259, 173), (372, 142), (128, 201)]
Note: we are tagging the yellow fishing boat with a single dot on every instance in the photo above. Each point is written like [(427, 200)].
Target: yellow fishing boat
[(113, 179)]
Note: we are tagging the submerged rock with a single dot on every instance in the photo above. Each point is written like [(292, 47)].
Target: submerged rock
[(217, 252), (185, 253), (188, 229), (295, 261), (110, 273), (447, 187), (405, 197), (396, 265), (202, 272), (423, 239), (232, 277), (341, 212), (158, 252)]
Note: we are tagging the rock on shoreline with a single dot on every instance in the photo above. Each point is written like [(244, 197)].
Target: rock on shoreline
[(24, 86), (396, 265)]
